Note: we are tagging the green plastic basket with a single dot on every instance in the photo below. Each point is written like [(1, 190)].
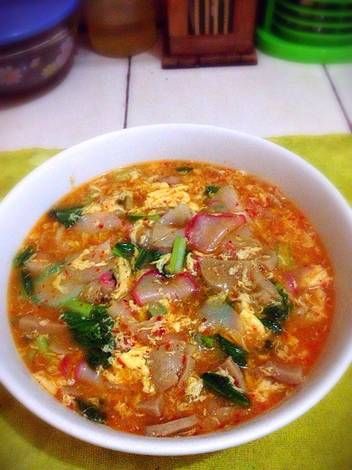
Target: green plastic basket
[(315, 31)]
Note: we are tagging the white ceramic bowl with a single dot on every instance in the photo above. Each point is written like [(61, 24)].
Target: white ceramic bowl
[(313, 193)]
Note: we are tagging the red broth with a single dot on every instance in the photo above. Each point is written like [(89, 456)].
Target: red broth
[(171, 298)]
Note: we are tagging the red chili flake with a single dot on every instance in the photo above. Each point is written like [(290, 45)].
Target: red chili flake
[(160, 332), (254, 207), (121, 361), (230, 248), (100, 225), (64, 365)]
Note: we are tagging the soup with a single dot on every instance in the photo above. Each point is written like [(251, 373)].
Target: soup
[(171, 298)]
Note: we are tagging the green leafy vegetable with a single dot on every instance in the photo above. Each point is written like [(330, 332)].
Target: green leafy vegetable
[(27, 284), (124, 250), (211, 190), (275, 314), (42, 343), (145, 257), (77, 306), (156, 308), (91, 327), (205, 341), (284, 255), (23, 256), (49, 271), (238, 354), (90, 411), (183, 170), (274, 325), (135, 217), (178, 255), (67, 216), (222, 386)]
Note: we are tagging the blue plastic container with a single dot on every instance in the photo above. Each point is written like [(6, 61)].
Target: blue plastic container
[(37, 42)]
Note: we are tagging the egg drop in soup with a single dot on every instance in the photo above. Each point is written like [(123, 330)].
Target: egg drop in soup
[(171, 298)]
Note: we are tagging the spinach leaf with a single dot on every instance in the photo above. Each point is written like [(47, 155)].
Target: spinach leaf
[(211, 190), (27, 284), (90, 411), (91, 327), (124, 250), (23, 256), (238, 354), (275, 313), (145, 257), (67, 216), (222, 386)]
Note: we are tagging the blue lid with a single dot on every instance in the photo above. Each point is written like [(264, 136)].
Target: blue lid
[(23, 19)]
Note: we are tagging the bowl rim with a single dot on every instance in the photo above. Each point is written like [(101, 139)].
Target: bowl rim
[(136, 444)]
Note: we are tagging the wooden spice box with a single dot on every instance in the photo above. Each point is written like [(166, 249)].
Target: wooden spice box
[(209, 32)]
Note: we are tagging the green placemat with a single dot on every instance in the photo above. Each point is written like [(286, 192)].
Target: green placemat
[(320, 440)]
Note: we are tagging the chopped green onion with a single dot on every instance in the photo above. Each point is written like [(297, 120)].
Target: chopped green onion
[(23, 256), (124, 250), (42, 343), (211, 190), (222, 386), (238, 354), (67, 216), (90, 411), (156, 308), (154, 217), (205, 341), (122, 175), (77, 306), (135, 217), (178, 255), (183, 170), (284, 255), (146, 257)]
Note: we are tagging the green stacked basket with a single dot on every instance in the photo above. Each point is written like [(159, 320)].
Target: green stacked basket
[(316, 31)]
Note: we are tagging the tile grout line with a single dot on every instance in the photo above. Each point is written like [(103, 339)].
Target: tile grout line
[(338, 98), (127, 92)]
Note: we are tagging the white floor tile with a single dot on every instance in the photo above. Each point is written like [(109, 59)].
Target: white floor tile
[(89, 101), (342, 78), (273, 98)]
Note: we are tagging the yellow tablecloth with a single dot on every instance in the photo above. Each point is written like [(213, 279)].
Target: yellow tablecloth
[(320, 440)]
